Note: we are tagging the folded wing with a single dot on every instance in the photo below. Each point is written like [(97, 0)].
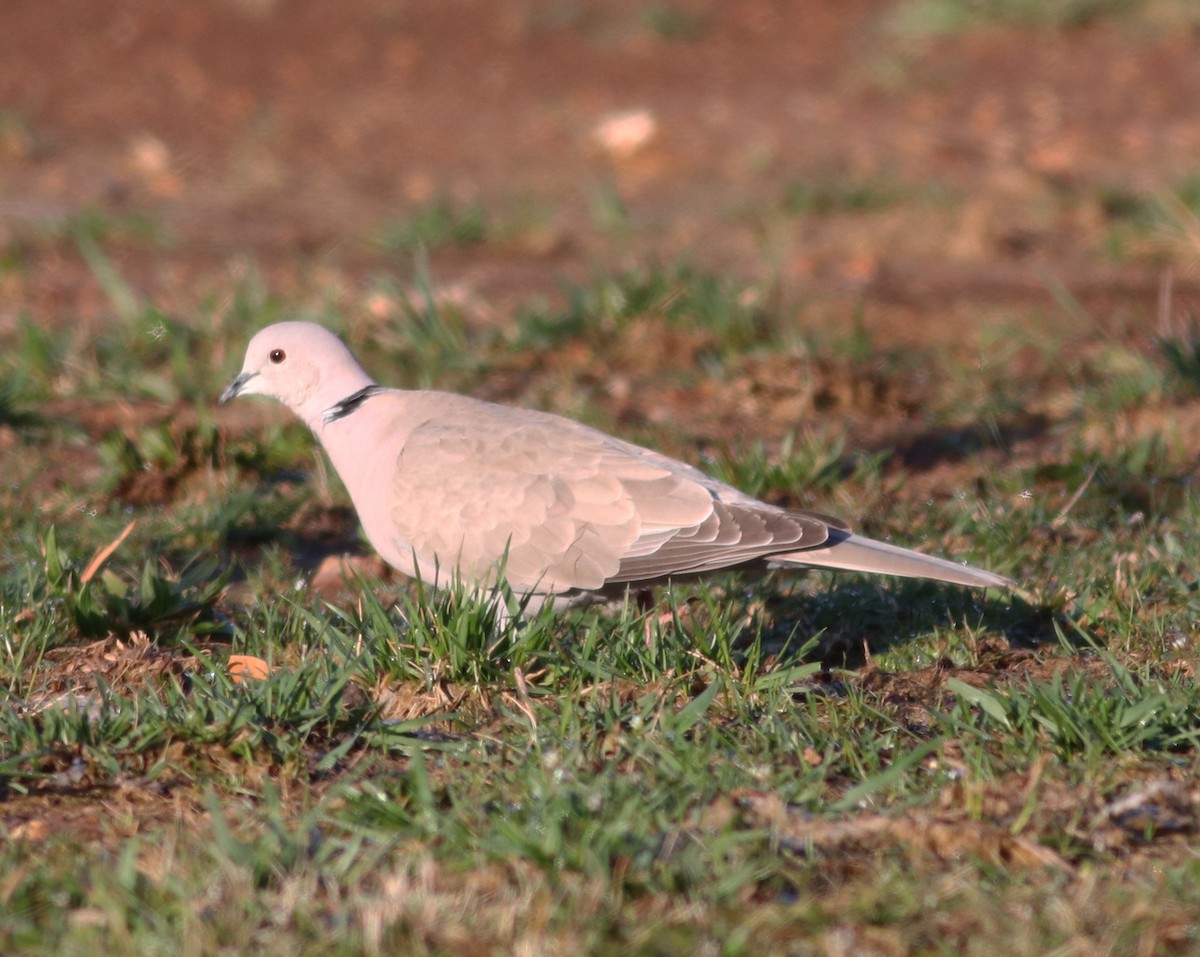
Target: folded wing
[(570, 509)]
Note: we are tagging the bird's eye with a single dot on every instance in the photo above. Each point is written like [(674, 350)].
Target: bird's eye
[(278, 355)]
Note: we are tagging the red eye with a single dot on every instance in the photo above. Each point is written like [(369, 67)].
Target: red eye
[(278, 355)]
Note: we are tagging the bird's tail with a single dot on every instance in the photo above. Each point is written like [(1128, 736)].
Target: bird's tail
[(844, 550)]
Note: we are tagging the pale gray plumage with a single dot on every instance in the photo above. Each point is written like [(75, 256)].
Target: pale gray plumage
[(445, 484)]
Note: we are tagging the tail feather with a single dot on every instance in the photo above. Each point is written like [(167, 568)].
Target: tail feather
[(850, 552)]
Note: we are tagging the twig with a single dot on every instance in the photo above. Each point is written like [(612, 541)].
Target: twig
[(1062, 515)]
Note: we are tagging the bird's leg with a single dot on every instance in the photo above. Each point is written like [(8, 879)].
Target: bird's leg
[(646, 604)]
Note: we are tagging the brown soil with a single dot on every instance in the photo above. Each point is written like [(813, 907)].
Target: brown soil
[(287, 131)]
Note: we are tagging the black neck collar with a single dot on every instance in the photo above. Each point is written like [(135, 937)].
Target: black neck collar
[(339, 410)]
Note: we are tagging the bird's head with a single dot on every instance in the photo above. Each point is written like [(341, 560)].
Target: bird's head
[(303, 365)]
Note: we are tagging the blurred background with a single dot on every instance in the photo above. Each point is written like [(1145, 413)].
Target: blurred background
[(915, 151), (996, 175)]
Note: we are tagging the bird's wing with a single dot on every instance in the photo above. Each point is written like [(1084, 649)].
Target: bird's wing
[(569, 509)]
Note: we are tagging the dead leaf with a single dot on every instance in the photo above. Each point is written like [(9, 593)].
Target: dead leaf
[(243, 667), (37, 829), (103, 555)]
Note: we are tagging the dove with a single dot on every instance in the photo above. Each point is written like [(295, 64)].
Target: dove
[(449, 487)]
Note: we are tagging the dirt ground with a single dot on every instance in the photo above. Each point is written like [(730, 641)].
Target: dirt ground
[(290, 131)]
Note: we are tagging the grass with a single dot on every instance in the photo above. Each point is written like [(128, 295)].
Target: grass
[(1162, 227), (786, 764), (836, 192), (1181, 350), (732, 318), (441, 222), (931, 18), (671, 22)]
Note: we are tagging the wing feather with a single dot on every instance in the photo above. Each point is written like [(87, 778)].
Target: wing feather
[(731, 536), (570, 509)]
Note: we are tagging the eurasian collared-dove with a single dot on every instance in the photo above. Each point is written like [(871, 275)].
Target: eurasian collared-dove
[(445, 484)]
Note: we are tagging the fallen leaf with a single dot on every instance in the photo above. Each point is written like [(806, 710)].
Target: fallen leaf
[(242, 667), (103, 555), (37, 829)]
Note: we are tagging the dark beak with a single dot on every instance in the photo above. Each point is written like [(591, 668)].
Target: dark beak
[(235, 387)]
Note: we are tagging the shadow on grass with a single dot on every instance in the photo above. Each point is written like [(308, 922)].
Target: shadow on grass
[(857, 617), (938, 446), (329, 533)]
